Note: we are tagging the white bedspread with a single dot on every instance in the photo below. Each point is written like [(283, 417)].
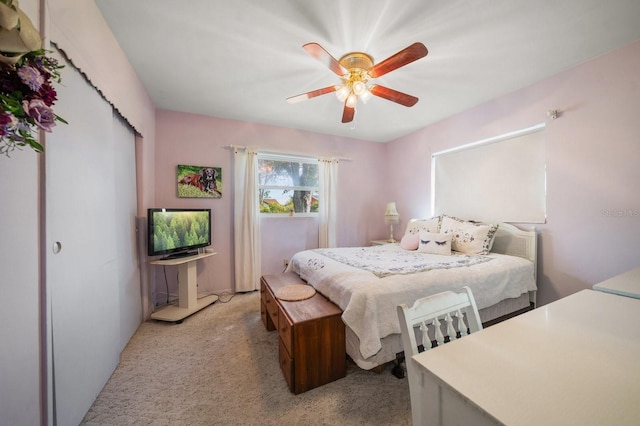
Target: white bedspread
[(368, 298)]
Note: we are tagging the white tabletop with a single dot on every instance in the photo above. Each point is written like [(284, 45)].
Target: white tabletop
[(627, 284), (574, 361)]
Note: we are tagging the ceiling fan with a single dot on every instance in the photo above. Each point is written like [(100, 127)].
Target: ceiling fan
[(356, 69)]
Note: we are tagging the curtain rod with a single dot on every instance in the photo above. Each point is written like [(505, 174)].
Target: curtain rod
[(288, 153)]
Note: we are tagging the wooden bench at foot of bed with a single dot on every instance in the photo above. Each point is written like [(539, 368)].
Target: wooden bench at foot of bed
[(311, 334)]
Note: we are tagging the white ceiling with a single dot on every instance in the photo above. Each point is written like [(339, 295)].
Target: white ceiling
[(240, 59)]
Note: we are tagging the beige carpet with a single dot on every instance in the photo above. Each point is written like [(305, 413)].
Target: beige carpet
[(220, 367)]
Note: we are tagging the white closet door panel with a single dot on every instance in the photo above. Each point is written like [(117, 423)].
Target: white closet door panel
[(125, 210), (19, 244), (82, 279)]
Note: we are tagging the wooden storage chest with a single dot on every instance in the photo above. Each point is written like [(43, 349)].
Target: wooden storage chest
[(311, 334)]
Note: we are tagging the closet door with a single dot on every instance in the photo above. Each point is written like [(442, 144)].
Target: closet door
[(124, 212), (91, 268)]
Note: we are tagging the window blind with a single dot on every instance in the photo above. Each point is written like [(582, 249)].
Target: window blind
[(501, 179)]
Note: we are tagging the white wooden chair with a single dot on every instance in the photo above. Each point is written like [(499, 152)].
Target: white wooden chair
[(446, 316)]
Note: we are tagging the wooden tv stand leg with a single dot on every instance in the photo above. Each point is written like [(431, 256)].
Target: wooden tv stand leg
[(188, 285)]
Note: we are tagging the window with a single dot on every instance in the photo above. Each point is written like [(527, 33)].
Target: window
[(287, 184)]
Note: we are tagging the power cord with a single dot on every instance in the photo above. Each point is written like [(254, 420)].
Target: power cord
[(220, 295), (224, 294), (166, 282)]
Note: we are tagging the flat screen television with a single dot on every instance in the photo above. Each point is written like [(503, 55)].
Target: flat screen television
[(177, 232)]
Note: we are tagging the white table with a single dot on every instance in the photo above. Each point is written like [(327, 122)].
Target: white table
[(627, 284), (575, 361)]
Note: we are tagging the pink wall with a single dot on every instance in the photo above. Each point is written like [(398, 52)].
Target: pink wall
[(199, 140), (593, 157)]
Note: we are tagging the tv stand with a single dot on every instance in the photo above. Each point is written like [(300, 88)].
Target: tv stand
[(188, 302)]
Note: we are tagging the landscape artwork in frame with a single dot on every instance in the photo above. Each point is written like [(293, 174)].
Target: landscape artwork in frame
[(199, 182)]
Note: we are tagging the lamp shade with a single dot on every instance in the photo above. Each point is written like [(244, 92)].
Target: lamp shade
[(391, 215)]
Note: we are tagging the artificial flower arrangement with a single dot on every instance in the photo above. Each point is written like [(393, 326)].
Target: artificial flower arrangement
[(26, 76)]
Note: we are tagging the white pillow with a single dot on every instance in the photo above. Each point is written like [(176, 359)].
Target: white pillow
[(435, 243), (430, 225), (469, 237)]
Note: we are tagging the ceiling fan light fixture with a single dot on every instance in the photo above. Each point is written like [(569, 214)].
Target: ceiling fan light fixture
[(342, 93), (359, 87), (365, 96), (352, 99)]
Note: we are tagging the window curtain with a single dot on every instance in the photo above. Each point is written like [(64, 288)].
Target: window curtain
[(246, 220), (328, 174)]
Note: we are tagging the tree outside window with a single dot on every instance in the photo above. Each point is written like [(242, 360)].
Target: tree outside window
[(287, 184)]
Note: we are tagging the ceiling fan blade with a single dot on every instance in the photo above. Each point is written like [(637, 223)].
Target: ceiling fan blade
[(318, 52), (393, 95), (400, 59), (348, 113), (311, 94)]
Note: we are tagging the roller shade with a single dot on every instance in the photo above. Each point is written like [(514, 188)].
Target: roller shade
[(501, 179)]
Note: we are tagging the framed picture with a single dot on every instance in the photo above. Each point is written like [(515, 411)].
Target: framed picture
[(199, 182)]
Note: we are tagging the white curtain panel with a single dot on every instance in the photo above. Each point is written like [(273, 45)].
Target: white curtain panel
[(328, 173), (246, 220)]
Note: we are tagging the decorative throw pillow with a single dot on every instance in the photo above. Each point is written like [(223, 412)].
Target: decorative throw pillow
[(430, 225), (410, 241), (469, 237), (434, 243)]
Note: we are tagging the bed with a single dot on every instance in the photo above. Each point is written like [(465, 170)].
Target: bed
[(367, 283)]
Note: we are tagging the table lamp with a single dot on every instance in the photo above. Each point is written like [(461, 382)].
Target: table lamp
[(391, 216)]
